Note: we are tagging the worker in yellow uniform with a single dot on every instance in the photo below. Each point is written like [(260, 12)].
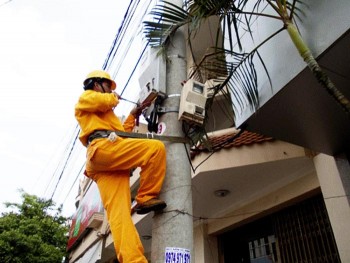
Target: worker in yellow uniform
[(110, 159)]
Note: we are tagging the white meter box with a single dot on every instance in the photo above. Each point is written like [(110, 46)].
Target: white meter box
[(192, 103), (153, 75)]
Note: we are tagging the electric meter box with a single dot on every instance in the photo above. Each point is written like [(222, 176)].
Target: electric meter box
[(192, 102), (153, 75)]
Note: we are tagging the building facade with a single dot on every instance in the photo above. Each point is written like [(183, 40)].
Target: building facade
[(279, 192), (256, 200)]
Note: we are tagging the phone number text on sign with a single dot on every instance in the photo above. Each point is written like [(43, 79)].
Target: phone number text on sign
[(177, 255)]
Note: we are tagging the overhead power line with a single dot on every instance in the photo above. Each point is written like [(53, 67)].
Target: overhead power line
[(123, 31), (63, 159), (5, 3), (65, 165), (118, 36), (76, 178)]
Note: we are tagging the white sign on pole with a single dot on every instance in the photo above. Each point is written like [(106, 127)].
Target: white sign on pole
[(177, 255), (161, 128)]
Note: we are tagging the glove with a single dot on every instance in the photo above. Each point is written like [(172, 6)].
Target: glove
[(136, 112)]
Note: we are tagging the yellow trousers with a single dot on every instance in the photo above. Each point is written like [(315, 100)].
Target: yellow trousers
[(108, 164)]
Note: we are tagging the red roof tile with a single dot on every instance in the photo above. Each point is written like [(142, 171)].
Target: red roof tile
[(228, 141)]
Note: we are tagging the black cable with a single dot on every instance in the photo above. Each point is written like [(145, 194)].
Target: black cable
[(76, 137), (189, 158), (217, 148), (133, 71), (122, 32), (76, 178), (117, 37), (5, 3), (126, 51), (76, 129), (59, 179)]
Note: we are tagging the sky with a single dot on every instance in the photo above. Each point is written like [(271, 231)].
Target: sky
[(46, 50)]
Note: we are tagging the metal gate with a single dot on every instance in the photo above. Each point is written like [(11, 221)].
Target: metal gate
[(303, 233)]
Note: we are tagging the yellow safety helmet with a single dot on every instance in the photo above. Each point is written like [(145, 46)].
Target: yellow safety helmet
[(99, 74)]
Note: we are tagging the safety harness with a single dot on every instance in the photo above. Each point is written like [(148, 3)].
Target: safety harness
[(107, 133)]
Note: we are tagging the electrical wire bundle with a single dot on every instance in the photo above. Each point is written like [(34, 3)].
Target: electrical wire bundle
[(114, 61)]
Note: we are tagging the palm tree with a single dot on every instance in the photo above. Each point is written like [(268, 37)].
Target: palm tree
[(233, 15)]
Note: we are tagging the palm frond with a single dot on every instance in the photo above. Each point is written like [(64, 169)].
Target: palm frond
[(238, 72), (167, 19), (235, 16)]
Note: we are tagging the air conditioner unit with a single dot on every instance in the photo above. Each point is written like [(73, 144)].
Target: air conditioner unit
[(209, 84), (220, 105), (192, 102)]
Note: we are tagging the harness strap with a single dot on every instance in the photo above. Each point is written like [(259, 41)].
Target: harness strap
[(106, 133), (98, 134)]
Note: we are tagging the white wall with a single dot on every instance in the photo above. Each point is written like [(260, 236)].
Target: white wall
[(324, 22)]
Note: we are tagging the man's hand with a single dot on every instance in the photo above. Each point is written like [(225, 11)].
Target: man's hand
[(136, 112)]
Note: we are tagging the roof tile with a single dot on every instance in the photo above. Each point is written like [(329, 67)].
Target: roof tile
[(223, 141)]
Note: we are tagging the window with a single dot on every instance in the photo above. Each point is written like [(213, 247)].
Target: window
[(263, 250), (198, 88)]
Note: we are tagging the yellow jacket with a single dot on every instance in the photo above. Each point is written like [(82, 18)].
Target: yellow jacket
[(94, 111)]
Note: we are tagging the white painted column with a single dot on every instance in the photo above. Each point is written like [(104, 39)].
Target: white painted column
[(205, 246), (334, 176)]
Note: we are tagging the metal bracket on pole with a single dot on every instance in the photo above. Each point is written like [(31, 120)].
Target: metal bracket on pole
[(168, 109), (173, 95), (152, 136)]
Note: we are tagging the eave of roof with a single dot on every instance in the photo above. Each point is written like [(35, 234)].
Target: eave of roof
[(225, 141)]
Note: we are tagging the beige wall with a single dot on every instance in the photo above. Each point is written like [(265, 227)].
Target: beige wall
[(206, 246), (265, 204), (334, 176)]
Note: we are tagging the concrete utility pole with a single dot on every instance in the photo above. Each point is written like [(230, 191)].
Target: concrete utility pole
[(172, 231)]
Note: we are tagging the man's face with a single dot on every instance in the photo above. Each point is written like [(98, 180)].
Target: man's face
[(104, 86)]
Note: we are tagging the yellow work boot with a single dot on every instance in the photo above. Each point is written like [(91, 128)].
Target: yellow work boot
[(150, 205)]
